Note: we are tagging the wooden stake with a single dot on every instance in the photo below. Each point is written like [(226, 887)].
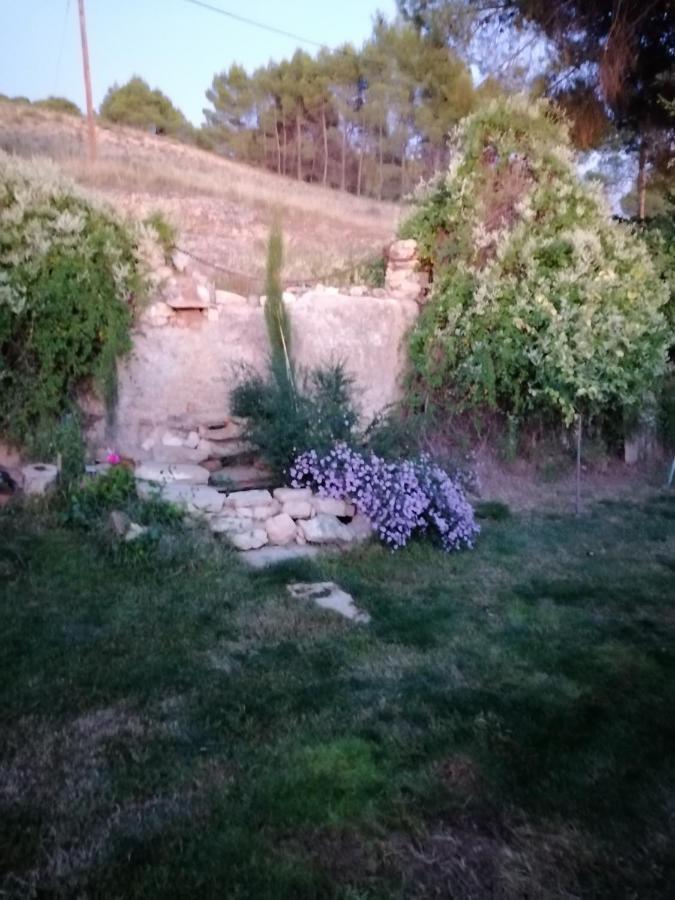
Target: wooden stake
[(91, 124)]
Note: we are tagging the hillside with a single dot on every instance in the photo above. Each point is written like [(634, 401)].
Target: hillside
[(222, 209)]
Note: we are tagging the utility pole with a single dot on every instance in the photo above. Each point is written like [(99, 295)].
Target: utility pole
[(91, 124)]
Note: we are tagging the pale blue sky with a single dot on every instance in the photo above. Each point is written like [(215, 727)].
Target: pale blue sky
[(174, 45)]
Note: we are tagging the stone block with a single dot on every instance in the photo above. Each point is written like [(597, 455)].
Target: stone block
[(280, 529)]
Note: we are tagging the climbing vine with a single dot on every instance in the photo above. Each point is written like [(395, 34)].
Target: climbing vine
[(541, 303)]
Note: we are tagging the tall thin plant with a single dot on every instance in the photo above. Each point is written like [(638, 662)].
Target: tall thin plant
[(276, 316)]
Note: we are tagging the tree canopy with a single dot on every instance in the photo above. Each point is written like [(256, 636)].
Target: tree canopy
[(136, 104)]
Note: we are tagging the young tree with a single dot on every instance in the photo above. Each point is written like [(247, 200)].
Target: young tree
[(136, 104)]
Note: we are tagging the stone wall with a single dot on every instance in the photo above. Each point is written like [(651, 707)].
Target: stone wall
[(191, 344)]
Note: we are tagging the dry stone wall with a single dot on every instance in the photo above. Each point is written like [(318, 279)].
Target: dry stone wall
[(194, 341)]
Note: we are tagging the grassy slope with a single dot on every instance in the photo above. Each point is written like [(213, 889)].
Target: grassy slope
[(503, 728), (223, 209)]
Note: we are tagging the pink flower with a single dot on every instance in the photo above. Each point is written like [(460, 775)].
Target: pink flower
[(114, 459)]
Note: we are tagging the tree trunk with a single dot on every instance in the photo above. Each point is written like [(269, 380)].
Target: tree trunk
[(298, 134), (360, 172), (343, 173), (642, 179), (380, 177), (283, 125), (276, 132), (325, 144)]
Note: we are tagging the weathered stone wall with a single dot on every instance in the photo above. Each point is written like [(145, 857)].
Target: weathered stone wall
[(190, 345)]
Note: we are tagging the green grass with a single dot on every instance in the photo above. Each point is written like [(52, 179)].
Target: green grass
[(173, 725)]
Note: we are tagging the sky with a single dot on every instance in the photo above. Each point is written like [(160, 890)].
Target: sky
[(173, 44)]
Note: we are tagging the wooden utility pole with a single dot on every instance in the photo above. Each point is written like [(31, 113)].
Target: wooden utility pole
[(91, 124)]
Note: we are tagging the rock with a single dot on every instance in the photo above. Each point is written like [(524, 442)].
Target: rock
[(194, 498), (332, 507), (273, 555), (173, 439), (328, 595), (280, 529), (228, 524), (119, 522), (164, 472), (203, 294), (360, 528), (259, 513), (148, 444), (402, 251), (325, 529), (39, 478), (192, 440), (242, 478), (298, 509), (212, 314), (240, 499), (225, 297), (248, 540), (180, 260), (134, 532), (285, 494), (358, 290), (212, 465), (230, 431)]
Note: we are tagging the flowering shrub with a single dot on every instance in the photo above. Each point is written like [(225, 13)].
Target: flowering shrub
[(399, 498), (72, 273), (541, 303)]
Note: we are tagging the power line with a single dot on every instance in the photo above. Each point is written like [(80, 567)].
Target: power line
[(255, 24)]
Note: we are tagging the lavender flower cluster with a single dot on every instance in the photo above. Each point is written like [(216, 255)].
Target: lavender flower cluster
[(399, 498)]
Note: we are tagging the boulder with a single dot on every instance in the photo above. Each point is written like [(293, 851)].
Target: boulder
[(248, 540), (332, 507), (134, 531), (229, 431), (298, 509), (228, 524), (402, 251), (119, 522), (239, 499), (39, 478), (180, 260), (325, 529), (165, 472), (194, 498), (280, 529), (258, 513), (286, 494)]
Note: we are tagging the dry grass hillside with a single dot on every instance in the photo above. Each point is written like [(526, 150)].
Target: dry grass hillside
[(222, 209)]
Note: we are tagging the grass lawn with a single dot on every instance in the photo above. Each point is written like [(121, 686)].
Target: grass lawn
[(177, 726)]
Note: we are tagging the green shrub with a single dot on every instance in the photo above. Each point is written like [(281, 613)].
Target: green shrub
[(166, 233), (97, 495), (541, 303), (71, 278), (283, 423)]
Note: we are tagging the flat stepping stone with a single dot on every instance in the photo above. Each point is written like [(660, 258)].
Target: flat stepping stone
[(272, 556), (328, 595)]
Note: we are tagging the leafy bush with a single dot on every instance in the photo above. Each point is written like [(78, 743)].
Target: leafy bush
[(71, 277), (136, 104), (541, 304), (283, 423), (399, 498), (101, 494)]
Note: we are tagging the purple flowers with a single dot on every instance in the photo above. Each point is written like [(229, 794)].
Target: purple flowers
[(399, 498)]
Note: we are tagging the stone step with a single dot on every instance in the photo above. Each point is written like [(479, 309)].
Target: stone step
[(242, 478)]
